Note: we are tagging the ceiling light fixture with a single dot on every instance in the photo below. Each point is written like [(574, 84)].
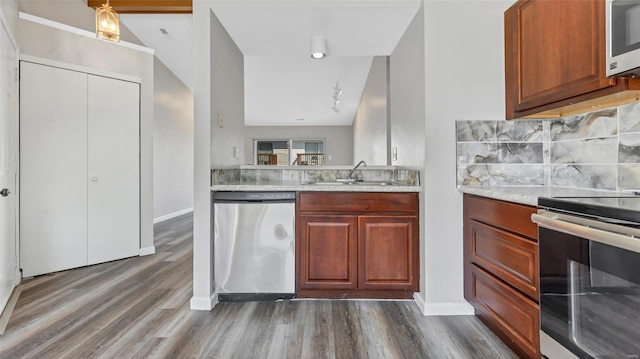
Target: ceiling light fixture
[(318, 47), (107, 23)]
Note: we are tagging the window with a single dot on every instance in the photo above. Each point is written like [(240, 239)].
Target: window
[(285, 152)]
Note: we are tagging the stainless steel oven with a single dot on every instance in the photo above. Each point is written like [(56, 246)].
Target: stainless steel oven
[(589, 277)]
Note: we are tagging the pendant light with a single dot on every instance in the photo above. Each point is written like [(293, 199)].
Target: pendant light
[(107, 23)]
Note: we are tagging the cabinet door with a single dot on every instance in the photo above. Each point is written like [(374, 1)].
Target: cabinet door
[(113, 173), (554, 50), (387, 252), (53, 169), (326, 253)]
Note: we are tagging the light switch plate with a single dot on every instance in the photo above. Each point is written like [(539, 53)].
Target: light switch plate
[(236, 152), (221, 119), (394, 154)]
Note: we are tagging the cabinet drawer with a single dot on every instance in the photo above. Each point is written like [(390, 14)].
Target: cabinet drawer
[(506, 215), (511, 258), (512, 316), (358, 202)]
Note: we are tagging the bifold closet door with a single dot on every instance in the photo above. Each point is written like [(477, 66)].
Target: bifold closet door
[(53, 169), (113, 175)]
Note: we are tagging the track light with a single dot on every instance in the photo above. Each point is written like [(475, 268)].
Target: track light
[(337, 91), (318, 47)]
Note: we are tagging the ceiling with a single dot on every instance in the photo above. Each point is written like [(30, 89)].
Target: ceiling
[(282, 83)]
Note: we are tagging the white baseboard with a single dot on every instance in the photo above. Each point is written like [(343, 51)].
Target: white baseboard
[(203, 303), (438, 309), (147, 251), (172, 215)]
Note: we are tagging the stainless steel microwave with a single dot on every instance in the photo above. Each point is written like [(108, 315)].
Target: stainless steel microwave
[(623, 37)]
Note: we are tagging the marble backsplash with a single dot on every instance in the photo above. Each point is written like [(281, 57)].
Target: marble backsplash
[(403, 176), (597, 150)]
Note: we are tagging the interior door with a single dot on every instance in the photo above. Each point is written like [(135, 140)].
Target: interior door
[(114, 162), (53, 169), (9, 274)]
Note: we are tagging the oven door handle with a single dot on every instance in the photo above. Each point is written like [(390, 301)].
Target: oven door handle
[(613, 238)]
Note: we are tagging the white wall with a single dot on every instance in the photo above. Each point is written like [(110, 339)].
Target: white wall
[(406, 95), (338, 140), (218, 87), (464, 73), (227, 97), (172, 144), (62, 46), (370, 133)]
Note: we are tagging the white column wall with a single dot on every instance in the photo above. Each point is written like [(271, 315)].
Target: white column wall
[(371, 121), (464, 76), (203, 286)]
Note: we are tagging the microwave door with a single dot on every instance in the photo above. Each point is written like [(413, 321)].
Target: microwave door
[(623, 37)]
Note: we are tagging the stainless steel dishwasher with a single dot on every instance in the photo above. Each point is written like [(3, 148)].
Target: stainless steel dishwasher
[(254, 245)]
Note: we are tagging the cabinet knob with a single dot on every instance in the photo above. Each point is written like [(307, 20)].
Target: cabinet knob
[(5, 192), (94, 179)]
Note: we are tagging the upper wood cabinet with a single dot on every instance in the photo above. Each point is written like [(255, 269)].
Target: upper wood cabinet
[(555, 60)]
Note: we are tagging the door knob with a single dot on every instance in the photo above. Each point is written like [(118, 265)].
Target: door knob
[(5, 192)]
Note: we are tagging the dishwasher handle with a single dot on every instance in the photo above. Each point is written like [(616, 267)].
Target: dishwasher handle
[(253, 197)]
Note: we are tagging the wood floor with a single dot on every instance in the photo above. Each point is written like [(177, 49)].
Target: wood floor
[(139, 308)]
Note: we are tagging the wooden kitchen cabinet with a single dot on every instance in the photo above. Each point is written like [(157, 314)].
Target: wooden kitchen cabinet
[(357, 245), (555, 60), (328, 252), (385, 252), (501, 277)]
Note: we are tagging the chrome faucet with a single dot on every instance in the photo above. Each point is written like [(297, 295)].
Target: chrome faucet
[(356, 167)]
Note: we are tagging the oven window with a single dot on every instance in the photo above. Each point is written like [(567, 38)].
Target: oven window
[(625, 26), (590, 296)]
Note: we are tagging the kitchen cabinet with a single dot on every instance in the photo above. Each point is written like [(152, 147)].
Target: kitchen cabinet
[(79, 169), (555, 60), (357, 245), (501, 277), (328, 248)]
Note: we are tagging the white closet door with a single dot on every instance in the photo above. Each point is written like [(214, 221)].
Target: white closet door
[(9, 274), (53, 169), (114, 185)]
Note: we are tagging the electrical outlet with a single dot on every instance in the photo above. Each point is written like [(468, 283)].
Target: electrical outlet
[(221, 119), (236, 152)]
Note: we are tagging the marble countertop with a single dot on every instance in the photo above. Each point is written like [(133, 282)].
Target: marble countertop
[(529, 194), (277, 186)]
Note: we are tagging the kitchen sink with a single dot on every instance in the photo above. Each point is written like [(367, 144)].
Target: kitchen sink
[(350, 183)]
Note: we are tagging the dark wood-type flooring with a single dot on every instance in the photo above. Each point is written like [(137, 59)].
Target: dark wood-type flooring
[(139, 308)]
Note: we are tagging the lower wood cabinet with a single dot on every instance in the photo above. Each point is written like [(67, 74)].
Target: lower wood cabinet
[(357, 245), (501, 270), (386, 252), (328, 252)]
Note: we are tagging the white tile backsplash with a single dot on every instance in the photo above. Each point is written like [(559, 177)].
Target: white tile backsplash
[(581, 151)]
